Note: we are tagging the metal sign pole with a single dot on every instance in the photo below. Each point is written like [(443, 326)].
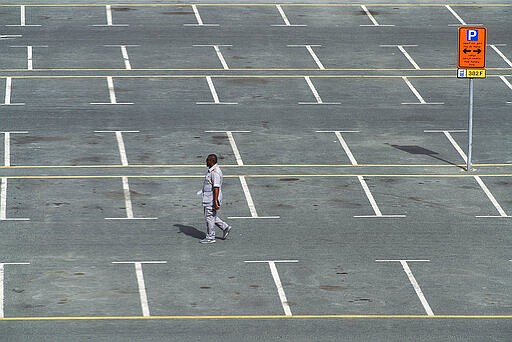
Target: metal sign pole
[(470, 125)]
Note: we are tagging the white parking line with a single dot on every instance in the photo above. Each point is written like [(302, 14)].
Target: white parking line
[(494, 47), (507, 83), (248, 196), (371, 17), (30, 62), (461, 21), (477, 178), (232, 142), (126, 186), (2, 278), (316, 95), (3, 203), (417, 94), (406, 54), (277, 281), (124, 53), (219, 54), (285, 18), (9, 36), (198, 18), (23, 17), (140, 282), (8, 92), (361, 179), (112, 95), (414, 283), (108, 11), (312, 53), (7, 146), (215, 96), (243, 182)]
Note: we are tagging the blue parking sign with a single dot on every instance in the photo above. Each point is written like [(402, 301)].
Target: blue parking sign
[(472, 35)]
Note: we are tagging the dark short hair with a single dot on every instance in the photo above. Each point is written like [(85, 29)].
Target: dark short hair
[(212, 157)]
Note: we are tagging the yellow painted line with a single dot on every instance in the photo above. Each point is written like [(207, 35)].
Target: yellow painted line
[(247, 69), (244, 317), (263, 5), (232, 76), (135, 166), (461, 175)]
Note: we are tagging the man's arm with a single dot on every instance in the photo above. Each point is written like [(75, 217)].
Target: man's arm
[(216, 204)]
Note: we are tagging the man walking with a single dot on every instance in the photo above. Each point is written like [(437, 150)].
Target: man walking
[(212, 199)]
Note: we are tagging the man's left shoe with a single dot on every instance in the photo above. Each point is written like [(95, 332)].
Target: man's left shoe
[(207, 240), (225, 232)]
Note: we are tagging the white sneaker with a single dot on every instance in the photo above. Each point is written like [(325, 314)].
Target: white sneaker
[(225, 232)]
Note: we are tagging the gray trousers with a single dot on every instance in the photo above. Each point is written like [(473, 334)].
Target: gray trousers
[(212, 221)]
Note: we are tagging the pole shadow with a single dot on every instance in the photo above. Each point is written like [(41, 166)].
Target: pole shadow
[(413, 149)]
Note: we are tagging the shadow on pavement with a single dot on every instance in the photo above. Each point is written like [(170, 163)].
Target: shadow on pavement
[(424, 151), (190, 231)]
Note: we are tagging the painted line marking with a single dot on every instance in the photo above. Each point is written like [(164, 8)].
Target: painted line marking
[(219, 53), (372, 18), (124, 53), (417, 94), (285, 18), (361, 179), (243, 182), (30, 61), (507, 83), (120, 144), (312, 53), (112, 95), (152, 166), (108, 11), (493, 46), (198, 18), (124, 179), (7, 147), (316, 95), (277, 281), (8, 92), (9, 36), (269, 317), (279, 175), (248, 197), (215, 96), (140, 281), (414, 283), (232, 142), (406, 54), (23, 18), (477, 178), (461, 21), (2, 278), (3, 203)]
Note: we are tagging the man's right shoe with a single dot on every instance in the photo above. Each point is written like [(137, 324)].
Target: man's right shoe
[(207, 240), (225, 232)]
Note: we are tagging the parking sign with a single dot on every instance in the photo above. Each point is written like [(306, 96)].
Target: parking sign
[(472, 44)]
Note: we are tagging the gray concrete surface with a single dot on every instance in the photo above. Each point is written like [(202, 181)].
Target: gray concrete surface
[(402, 195)]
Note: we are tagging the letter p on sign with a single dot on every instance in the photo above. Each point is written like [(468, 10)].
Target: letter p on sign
[(472, 35)]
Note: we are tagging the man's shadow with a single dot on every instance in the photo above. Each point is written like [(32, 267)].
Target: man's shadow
[(190, 231)]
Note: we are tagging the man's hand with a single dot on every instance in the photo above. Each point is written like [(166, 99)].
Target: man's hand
[(216, 204)]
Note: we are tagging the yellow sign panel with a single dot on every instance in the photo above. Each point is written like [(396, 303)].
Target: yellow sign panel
[(471, 73)]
